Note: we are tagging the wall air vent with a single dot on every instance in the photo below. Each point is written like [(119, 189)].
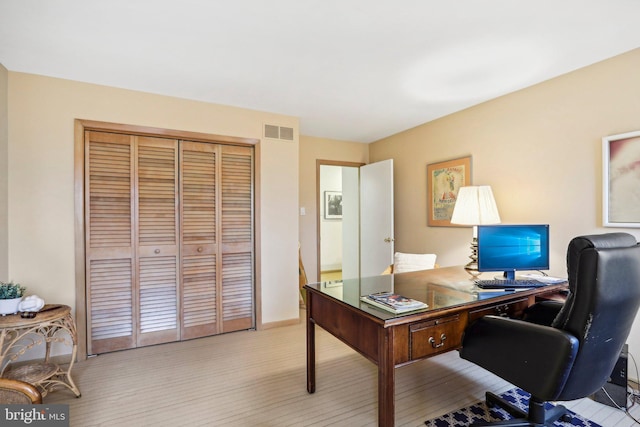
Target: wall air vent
[(286, 133), (271, 131), (278, 132)]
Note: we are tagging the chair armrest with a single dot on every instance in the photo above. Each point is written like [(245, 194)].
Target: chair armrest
[(534, 357), (543, 313)]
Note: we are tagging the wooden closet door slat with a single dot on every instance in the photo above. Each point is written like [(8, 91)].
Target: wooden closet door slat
[(110, 269), (199, 244)]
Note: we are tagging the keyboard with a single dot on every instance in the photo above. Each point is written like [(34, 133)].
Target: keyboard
[(509, 283)]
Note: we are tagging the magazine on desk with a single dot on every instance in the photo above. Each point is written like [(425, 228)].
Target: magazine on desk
[(393, 302)]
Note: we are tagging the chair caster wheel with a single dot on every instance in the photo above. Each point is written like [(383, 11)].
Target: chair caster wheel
[(566, 418)]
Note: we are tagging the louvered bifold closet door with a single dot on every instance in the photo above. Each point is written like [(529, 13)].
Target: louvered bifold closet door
[(169, 240), (109, 242), (157, 238), (237, 245), (199, 245)]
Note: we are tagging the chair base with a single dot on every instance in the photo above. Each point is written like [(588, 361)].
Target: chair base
[(537, 416)]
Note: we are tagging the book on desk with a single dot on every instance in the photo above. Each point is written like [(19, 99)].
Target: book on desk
[(393, 302)]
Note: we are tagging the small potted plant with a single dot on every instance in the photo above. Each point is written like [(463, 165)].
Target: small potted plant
[(10, 297)]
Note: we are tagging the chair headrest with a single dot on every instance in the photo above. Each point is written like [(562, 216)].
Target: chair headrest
[(594, 241)]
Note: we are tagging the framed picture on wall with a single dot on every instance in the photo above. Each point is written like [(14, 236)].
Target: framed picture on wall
[(621, 180), (443, 181), (332, 205)]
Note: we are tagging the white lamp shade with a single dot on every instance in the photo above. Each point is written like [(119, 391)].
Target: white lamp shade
[(475, 205)]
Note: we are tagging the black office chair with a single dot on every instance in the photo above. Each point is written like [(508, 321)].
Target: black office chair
[(573, 354)]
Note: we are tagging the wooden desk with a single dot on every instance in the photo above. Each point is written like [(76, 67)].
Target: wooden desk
[(17, 335), (390, 340)]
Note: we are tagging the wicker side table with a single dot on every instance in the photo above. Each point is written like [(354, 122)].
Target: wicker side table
[(17, 335)]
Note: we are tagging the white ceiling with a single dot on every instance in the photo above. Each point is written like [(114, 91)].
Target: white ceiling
[(356, 70)]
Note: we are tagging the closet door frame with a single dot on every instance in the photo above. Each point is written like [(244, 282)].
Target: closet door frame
[(81, 126)]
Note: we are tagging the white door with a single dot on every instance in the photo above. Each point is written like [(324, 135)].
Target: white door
[(376, 217)]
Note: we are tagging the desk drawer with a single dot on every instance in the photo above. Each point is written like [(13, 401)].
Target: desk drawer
[(509, 309), (435, 336)]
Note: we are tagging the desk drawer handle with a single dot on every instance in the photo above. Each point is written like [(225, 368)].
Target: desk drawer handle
[(157, 251), (443, 337)]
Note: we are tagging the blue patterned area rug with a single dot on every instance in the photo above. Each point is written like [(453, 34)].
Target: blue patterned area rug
[(479, 412)]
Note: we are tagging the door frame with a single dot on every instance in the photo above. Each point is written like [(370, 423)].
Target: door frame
[(319, 200), (80, 126)]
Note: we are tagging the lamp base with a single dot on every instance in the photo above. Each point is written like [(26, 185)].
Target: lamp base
[(472, 266)]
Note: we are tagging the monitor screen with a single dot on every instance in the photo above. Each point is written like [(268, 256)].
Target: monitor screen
[(513, 247)]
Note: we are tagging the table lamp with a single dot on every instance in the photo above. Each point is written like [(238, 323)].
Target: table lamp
[(475, 206)]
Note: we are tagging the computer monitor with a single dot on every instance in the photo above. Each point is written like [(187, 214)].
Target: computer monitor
[(509, 248)]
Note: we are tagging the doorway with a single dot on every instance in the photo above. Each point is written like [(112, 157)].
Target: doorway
[(351, 245), (338, 220)]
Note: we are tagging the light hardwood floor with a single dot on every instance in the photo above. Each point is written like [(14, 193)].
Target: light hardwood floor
[(258, 378)]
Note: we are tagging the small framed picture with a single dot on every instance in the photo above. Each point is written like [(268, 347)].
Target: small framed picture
[(443, 181), (621, 180), (332, 205)]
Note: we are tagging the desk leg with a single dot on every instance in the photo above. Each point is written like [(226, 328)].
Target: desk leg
[(386, 378), (311, 348)]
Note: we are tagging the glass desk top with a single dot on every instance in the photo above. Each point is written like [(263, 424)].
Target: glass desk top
[(439, 288)]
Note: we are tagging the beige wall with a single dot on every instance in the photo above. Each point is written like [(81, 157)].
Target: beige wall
[(312, 149), (41, 177), (539, 149), (4, 232)]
